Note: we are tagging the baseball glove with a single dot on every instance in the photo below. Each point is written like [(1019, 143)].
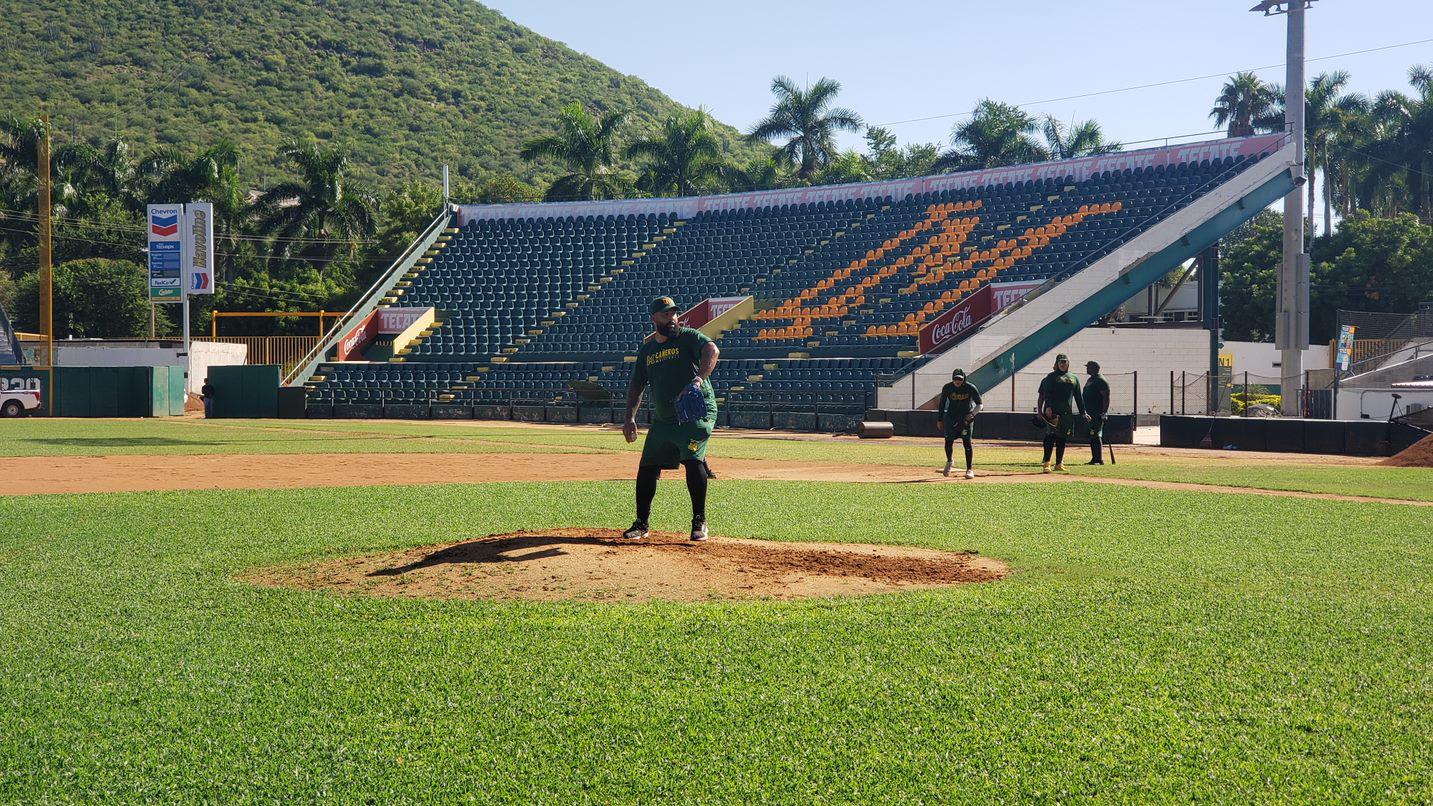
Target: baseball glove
[(691, 404), (1047, 419)]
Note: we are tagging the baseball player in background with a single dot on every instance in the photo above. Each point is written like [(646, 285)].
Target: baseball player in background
[(959, 403), (1097, 405), (1059, 398), (677, 363)]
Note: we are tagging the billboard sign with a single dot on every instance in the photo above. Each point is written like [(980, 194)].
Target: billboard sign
[(199, 248), (166, 252), (1345, 347)]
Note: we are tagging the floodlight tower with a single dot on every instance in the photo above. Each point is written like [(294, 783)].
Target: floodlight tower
[(1291, 317)]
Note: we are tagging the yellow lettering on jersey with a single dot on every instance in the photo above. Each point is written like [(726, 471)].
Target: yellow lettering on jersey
[(662, 355)]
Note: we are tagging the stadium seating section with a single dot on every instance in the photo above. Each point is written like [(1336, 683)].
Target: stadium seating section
[(550, 310)]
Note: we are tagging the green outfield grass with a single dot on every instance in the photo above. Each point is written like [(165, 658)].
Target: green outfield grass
[(39, 437), (1151, 645)]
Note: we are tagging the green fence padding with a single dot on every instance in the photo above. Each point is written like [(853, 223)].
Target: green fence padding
[(178, 391), (245, 391)]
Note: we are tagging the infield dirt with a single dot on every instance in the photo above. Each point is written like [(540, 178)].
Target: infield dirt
[(598, 565)]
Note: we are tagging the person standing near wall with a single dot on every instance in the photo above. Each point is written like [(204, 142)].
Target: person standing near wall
[(1059, 398), (1097, 405), (206, 394)]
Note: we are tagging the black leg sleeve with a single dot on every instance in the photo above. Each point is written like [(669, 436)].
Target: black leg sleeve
[(1059, 450), (1049, 446), (646, 491), (697, 488), (969, 451), (949, 446)]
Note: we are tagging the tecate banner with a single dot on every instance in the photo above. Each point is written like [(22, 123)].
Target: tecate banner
[(199, 248)]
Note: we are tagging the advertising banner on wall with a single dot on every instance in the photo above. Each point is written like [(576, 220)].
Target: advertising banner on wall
[(955, 322)]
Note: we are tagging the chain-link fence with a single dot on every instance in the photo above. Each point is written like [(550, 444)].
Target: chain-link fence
[(1381, 338)]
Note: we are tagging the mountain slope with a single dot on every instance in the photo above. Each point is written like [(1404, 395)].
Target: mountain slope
[(407, 86)]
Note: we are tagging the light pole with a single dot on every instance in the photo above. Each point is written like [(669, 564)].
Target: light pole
[(1291, 318)]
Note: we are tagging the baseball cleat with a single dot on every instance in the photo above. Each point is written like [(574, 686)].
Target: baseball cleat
[(1045, 468), (637, 532), (970, 474), (1060, 468), (699, 530), (948, 467), (1095, 462)]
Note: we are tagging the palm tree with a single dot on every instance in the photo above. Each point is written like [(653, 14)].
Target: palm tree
[(1085, 139), (845, 168), (1405, 148), (319, 207), (585, 146), (96, 173), (684, 156), (1388, 152), (1244, 100), (1327, 110), (808, 121), (996, 135), (20, 140), (759, 174)]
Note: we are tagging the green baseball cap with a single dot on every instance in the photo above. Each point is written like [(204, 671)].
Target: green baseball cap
[(663, 304)]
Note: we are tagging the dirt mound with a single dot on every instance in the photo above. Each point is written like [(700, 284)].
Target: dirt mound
[(597, 565), (1419, 454)]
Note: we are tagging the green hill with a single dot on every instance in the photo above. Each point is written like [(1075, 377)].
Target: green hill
[(406, 86)]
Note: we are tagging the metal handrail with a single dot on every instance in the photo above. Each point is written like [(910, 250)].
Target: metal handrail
[(311, 358)]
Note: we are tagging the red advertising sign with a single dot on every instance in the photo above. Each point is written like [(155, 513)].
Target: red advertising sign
[(946, 329), (358, 338), (990, 299)]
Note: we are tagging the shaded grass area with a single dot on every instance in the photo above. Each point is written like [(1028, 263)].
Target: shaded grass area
[(83, 437), (1181, 646)]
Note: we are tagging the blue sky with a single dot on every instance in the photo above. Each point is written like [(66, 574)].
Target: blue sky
[(903, 61)]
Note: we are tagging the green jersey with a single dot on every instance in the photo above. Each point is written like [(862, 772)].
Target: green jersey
[(668, 367), (1097, 391), (957, 401), (1062, 392)]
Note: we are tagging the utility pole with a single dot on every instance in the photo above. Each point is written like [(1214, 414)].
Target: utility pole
[(1291, 323), (47, 308)]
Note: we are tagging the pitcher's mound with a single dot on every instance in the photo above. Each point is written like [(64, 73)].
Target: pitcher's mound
[(598, 565)]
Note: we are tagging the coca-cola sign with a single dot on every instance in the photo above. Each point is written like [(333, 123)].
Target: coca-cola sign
[(992, 298), (358, 338), (946, 329)]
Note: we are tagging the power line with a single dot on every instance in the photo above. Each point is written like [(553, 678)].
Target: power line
[(140, 228), (1172, 82)]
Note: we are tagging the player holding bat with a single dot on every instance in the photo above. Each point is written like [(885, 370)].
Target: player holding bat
[(677, 363)]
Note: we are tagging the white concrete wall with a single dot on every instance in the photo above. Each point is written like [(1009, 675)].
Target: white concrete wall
[(1121, 352), (139, 353), (1374, 404), (1260, 358)]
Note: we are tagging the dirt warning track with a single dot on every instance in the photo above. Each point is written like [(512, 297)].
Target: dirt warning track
[(135, 473)]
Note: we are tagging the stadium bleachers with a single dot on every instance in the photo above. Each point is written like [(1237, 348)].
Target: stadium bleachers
[(527, 306)]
